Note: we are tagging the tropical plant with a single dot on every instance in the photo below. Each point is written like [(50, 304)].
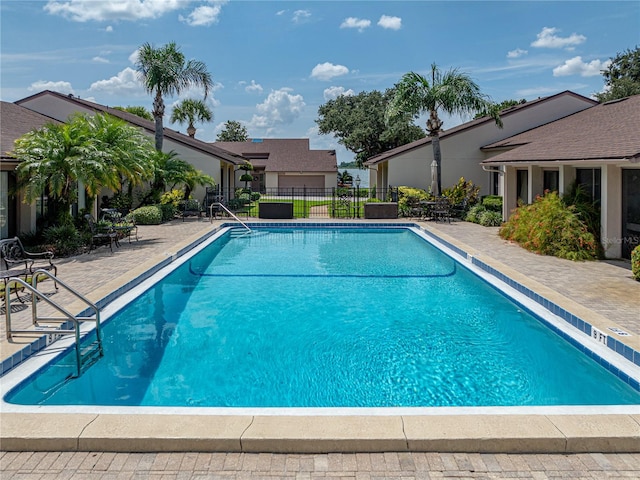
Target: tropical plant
[(451, 92), (98, 151), (165, 71), (233, 131), (635, 262), (190, 111), (63, 240), (462, 193), (170, 172), (172, 197), (409, 197), (549, 227)]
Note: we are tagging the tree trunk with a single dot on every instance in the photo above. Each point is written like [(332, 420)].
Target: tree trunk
[(158, 113), (191, 130), (437, 156)]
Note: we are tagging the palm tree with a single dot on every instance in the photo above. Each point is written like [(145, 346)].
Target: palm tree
[(164, 71), (451, 92), (98, 151), (128, 151), (190, 111)]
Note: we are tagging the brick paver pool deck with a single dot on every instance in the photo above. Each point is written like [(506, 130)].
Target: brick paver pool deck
[(604, 288)]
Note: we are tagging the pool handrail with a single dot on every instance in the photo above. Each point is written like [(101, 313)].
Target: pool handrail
[(76, 320), (218, 204)]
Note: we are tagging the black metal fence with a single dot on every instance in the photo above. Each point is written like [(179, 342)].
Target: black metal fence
[(338, 202)]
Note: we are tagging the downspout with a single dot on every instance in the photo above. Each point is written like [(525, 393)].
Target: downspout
[(492, 169)]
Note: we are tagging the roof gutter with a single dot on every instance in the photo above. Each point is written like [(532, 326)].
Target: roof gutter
[(497, 170)]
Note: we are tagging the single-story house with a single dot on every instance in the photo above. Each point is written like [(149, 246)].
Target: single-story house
[(598, 147), (280, 164), (410, 164), (15, 216)]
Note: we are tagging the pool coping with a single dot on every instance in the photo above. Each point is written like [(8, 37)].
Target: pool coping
[(502, 429)]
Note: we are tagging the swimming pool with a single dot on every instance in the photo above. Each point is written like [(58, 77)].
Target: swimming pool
[(377, 331)]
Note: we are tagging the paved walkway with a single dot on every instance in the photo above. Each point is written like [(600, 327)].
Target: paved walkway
[(605, 287), (357, 466)]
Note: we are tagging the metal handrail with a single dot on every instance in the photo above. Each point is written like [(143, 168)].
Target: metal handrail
[(218, 204), (36, 297)]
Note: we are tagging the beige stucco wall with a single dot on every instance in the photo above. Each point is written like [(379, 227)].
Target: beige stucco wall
[(461, 154)]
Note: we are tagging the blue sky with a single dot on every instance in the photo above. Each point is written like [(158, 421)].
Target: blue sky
[(275, 62)]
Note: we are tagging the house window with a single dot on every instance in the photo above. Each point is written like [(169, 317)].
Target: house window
[(551, 180), (630, 211), (589, 179), (495, 180), (522, 186)]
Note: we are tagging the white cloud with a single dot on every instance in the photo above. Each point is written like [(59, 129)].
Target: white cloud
[(85, 10), (99, 60), (358, 23), (253, 88), (332, 93), (547, 38), (109, 29), (125, 81), (327, 71), (536, 92), (61, 87), (392, 23), (575, 66), (518, 52), (204, 15), (301, 16), (280, 108)]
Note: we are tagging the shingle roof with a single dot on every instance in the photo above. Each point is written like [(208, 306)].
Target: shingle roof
[(15, 121), (608, 131), (147, 125), (283, 155), (464, 127)]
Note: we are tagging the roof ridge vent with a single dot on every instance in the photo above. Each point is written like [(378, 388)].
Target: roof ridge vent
[(617, 100)]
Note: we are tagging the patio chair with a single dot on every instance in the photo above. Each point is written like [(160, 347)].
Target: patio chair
[(123, 226), (441, 210), (99, 236), (190, 208), (15, 261)]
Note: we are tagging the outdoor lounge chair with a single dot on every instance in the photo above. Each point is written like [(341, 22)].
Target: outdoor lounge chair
[(100, 236), (15, 261)]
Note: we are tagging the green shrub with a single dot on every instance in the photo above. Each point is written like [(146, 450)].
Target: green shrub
[(550, 227), (63, 240), (167, 210), (493, 203), (489, 218), (463, 192), (172, 197), (149, 215), (408, 197), (635, 263), (474, 213), (255, 196)]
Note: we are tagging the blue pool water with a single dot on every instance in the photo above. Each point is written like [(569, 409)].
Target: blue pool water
[(327, 318)]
